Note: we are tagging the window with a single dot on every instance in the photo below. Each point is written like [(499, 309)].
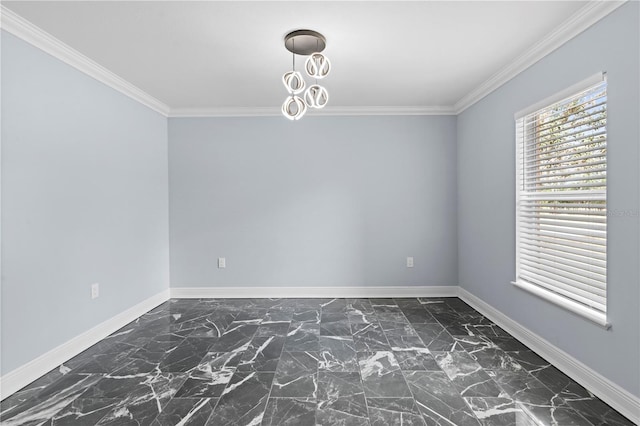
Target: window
[(561, 167)]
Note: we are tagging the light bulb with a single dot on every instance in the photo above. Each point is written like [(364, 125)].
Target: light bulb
[(294, 107), (316, 96), (293, 81), (317, 65)]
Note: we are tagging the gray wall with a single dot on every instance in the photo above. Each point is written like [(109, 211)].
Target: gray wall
[(327, 201), (486, 196), (84, 200)]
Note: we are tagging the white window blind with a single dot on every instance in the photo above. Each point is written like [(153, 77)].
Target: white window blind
[(561, 199)]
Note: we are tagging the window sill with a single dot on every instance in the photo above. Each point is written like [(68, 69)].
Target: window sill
[(577, 308)]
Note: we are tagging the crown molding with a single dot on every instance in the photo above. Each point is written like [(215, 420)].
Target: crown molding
[(328, 111), (25, 30), (576, 24), (587, 16)]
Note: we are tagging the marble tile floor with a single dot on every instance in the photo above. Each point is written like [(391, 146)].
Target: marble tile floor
[(339, 362)]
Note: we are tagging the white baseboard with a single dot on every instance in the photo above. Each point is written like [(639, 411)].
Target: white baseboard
[(27, 373), (617, 397), (312, 292)]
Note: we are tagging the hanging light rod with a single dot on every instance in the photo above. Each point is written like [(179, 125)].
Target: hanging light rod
[(305, 42)]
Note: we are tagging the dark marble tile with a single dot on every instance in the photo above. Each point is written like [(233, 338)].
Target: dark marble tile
[(434, 304), (297, 376), (163, 343), (598, 413), (251, 316), (360, 311), (408, 302), (508, 344), (383, 302), (188, 315), (359, 306), (489, 330), (494, 359), (205, 384), (560, 383), (381, 375), (467, 375), (236, 337), (141, 361), (396, 316), (273, 328), (459, 306), (498, 412), (303, 337), (436, 338), (334, 305), (394, 411), (213, 361), (295, 362), (335, 328), (50, 400), (473, 343), (112, 358), (398, 328), (397, 342), (290, 412), (418, 315), (244, 400), (523, 387), (369, 337), (9, 404), (186, 411), (155, 386), (140, 402), (212, 325), (292, 363), (331, 316), (362, 318), (211, 376), (275, 303), (82, 411), (552, 415), (185, 329), (337, 353), (138, 331), (140, 413), (186, 356), (278, 316), (262, 354), (306, 315), (457, 324), (529, 360), (536, 400), (438, 399), (416, 359), (32, 390), (341, 399)]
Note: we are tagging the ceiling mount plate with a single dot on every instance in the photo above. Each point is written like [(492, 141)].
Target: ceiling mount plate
[(304, 42)]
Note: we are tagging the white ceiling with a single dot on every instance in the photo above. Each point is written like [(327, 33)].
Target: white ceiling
[(216, 55)]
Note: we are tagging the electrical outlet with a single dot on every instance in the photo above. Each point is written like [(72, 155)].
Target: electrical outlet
[(95, 290), (222, 262), (409, 262)]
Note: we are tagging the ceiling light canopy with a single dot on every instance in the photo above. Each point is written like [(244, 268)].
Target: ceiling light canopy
[(305, 43)]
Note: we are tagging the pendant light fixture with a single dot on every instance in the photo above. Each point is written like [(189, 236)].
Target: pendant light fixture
[(305, 43)]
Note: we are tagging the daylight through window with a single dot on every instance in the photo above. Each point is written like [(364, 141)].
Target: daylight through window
[(562, 199)]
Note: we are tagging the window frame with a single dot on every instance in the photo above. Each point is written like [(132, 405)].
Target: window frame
[(566, 302)]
